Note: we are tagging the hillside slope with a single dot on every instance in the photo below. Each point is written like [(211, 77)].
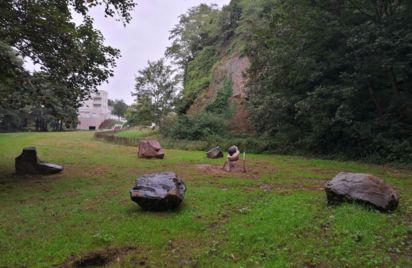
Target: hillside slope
[(232, 68), (323, 79)]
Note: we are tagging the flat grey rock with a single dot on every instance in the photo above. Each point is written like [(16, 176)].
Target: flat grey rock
[(362, 188)]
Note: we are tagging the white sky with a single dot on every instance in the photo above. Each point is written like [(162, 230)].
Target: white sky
[(144, 38)]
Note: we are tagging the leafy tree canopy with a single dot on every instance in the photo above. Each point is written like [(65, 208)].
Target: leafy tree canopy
[(155, 91), (119, 108), (195, 30), (334, 77), (70, 56), (326, 77)]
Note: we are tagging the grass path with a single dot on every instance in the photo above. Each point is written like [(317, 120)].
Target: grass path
[(274, 216)]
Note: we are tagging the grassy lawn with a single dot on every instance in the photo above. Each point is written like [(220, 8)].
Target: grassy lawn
[(274, 216), (135, 133)]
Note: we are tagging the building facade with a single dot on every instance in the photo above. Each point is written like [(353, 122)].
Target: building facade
[(94, 111)]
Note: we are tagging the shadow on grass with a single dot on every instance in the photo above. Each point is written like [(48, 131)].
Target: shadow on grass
[(134, 209)]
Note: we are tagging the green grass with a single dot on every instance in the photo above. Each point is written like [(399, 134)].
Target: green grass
[(274, 216), (136, 132)]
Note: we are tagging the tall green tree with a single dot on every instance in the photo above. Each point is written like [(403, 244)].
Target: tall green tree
[(196, 29), (334, 77), (155, 91), (71, 56), (142, 112), (119, 108)]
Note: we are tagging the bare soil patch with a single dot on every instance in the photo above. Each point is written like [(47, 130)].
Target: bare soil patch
[(98, 258), (218, 169)]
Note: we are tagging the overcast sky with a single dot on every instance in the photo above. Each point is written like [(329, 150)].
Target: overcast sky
[(145, 38)]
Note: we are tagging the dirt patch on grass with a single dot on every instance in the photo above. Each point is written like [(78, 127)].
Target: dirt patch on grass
[(98, 258), (251, 172)]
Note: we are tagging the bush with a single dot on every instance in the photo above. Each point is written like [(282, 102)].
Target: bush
[(203, 131), (201, 126)]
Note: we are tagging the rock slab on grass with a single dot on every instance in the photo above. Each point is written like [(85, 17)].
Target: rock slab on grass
[(150, 149), (215, 153), (158, 191), (27, 163), (363, 188)]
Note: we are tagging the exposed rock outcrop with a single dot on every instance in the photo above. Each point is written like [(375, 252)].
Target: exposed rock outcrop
[(363, 188), (231, 67)]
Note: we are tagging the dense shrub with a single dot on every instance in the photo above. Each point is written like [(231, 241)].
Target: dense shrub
[(201, 126), (334, 79)]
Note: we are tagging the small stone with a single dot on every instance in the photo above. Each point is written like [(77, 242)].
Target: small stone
[(363, 188), (158, 191)]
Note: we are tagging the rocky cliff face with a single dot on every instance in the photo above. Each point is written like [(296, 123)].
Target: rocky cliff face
[(233, 68)]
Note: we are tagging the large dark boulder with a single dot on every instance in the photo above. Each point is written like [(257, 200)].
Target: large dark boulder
[(28, 163), (363, 188), (158, 191), (150, 149), (215, 153)]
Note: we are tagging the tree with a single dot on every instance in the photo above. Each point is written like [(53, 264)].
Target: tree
[(196, 29), (11, 83), (141, 112), (73, 57), (155, 91), (119, 108), (333, 78), (45, 104)]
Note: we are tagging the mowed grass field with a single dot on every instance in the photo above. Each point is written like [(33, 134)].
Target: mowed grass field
[(136, 132), (273, 216)]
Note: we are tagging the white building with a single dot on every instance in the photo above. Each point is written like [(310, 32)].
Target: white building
[(94, 111)]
